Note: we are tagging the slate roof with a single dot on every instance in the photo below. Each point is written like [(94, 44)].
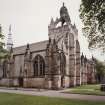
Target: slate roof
[(33, 47)]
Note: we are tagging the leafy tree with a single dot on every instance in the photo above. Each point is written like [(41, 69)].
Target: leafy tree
[(92, 14), (100, 70), (3, 52)]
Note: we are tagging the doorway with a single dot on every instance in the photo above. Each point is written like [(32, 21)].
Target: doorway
[(62, 82), (20, 82)]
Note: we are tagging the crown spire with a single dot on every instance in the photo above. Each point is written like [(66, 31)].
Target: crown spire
[(64, 15)]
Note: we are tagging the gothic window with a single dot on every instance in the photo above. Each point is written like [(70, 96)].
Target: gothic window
[(71, 38), (39, 66), (63, 63), (66, 41), (77, 46)]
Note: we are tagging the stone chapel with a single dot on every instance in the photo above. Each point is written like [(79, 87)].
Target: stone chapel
[(52, 64)]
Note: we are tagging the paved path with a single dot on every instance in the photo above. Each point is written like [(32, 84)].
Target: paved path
[(51, 93)]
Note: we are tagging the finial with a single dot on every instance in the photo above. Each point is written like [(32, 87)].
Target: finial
[(49, 40), (82, 53), (57, 19), (63, 4), (74, 25), (28, 46), (92, 57), (82, 56), (52, 21), (10, 29)]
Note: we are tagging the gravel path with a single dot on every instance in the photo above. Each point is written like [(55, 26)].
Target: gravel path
[(51, 93)]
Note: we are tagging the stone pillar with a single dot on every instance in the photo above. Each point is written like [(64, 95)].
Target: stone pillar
[(27, 62), (56, 82), (52, 74), (78, 72), (71, 52), (48, 66), (11, 68), (27, 69)]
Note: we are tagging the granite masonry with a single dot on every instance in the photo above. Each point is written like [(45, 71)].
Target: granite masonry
[(52, 64)]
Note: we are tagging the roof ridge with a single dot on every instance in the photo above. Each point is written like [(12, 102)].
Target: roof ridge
[(31, 44)]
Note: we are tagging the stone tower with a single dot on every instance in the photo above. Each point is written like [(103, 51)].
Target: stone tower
[(65, 40)]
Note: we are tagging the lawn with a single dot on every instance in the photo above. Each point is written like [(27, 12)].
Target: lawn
[(87, 89), (16, 99)]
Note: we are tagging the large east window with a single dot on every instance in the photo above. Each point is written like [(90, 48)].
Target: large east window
[(39, 66)]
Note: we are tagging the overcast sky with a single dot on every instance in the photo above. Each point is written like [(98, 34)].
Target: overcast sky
[(30, 19)]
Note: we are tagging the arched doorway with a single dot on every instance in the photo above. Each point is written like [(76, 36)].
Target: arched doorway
[(39, 66)]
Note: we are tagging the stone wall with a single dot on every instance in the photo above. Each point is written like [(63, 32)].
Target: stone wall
[(66, 82), (78, 65), (9, 82), (34, 82)]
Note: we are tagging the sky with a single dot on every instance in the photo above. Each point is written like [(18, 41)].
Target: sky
[(30, 19)]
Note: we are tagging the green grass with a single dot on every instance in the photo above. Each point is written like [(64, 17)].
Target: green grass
[(88, 90), (97, 86), (16, 99)]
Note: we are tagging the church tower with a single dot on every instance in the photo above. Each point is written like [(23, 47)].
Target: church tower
[(9, 40), (66, 37)]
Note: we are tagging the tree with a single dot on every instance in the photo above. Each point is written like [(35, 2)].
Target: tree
[(92, 14), (100, 70), (3, 52)]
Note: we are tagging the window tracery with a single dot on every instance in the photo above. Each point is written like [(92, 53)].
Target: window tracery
[(39, 66)]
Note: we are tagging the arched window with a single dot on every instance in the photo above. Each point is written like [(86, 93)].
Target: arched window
[(71, 36), (39, 66), (77, 46), (63, 63)]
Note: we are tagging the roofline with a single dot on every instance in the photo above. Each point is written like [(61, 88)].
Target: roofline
[(30, 44)]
